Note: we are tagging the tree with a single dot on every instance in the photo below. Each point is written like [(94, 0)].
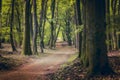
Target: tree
[(42, 23), (68, 27), (83, 56), (18, 22), (12, 25), (0, 22), (26, 39), (78, 23), (52, 23), (119, 29), (96, 37), (109, 43), (35, 27), (114, 30)]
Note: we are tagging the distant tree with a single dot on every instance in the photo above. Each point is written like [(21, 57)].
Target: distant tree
[(114, 30), (18, 18), (12, 25), (26, 39), (42, 23), (68, 27), (53, 2)]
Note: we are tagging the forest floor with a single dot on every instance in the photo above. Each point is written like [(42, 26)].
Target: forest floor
[(75, 70), (34, 67), (58, 64)]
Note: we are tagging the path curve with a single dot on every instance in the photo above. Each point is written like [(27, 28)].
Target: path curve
[(38, 68)]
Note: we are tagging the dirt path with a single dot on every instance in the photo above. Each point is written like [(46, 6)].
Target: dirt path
[(36, 69)]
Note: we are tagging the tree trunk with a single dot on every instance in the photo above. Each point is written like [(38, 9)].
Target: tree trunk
[(57, 35), (96, 37), (35, 27), (63, 36), (0, 23), (41, 25), (19, 29), (119, 29), (84, 56), (78, 23), (109, 47), (44, 22), (114, 36), (68, 29), (26, 38), (11, 26), (52, 24)]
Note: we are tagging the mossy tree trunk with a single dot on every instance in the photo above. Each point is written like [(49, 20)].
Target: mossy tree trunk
[(84, 56), (26, 38), (96, 37)]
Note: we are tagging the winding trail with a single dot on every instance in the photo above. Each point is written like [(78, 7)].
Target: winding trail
[(37, 69)]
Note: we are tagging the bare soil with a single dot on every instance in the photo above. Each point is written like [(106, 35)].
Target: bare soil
[(38, 68)]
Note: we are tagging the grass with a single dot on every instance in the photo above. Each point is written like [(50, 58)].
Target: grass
[(70, 60)]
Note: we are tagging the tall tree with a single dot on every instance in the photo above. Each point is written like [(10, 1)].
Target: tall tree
[(78, 23), (26, 39), (19, 26), (42, 23), (35, 27), (119, 29), (95, 38), (12, 25), (108, 25), (0, 22), (52, 23), (113, 33), (68, 27)]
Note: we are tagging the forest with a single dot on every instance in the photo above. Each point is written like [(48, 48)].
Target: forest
[(59, 39)]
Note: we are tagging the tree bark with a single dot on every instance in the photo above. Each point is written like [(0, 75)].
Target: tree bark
[(35, 27), (52, 23), (113, 34), (109, 47), (19, 29), (68, 28), (78, 23), (26, 39), (119, 29), (11, 26), (41, 25), (84, 56), (0, 23), (96, 37)]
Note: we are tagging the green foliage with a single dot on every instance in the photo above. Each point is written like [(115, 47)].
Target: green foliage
[(80, 28)]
